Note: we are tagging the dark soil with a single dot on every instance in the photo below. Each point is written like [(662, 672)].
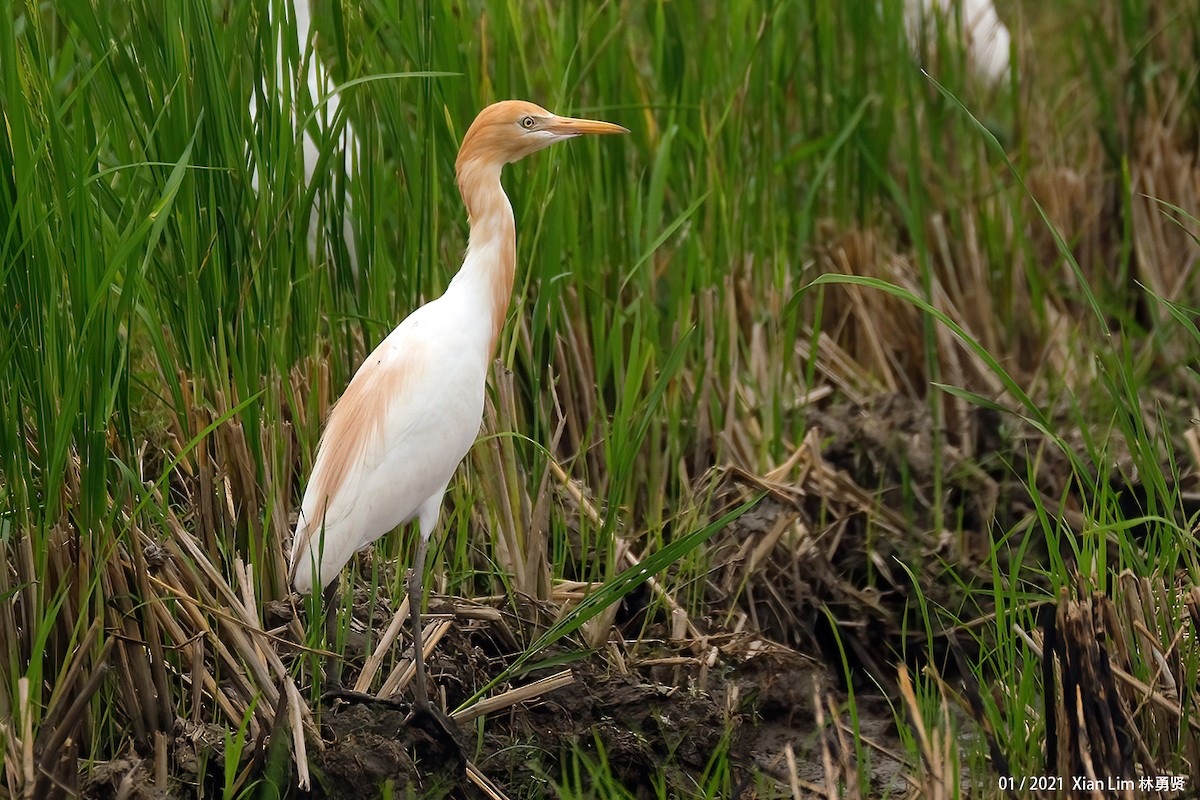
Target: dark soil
[(748, 695), (654, 722), (370, 745), (831, 564)]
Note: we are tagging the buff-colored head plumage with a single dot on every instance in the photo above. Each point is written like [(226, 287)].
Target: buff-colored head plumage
[(508, 131)]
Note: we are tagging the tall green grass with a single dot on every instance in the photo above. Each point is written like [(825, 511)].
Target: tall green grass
[(171, 346)]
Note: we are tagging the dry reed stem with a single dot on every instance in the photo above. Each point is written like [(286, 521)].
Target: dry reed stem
[(26, 717), (849, 774), (484, 784), (56, 738), (626, 555), (520, 694), (789, 756), (934, 784), (404, 671), (161, 777), (827, 768), (882, 749), (296, 714), (375, 660)]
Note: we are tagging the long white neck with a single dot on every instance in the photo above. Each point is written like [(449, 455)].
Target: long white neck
[(485, 280)]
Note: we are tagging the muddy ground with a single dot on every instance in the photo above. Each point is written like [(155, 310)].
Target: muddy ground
[(830, 562)]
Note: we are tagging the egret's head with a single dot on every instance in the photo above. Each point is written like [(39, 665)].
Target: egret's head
[(510, 130)]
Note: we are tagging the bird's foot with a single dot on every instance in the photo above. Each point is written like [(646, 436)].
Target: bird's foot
[(336, 693), (443, 731)]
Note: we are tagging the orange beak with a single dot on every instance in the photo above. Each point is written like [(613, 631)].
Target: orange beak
[(568, 126)]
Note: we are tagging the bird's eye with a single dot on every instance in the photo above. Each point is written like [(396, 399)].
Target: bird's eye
[(527, 123)]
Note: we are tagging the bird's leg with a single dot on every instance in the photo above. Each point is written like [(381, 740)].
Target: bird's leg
[(333, 688), (329, 604), (414, 605), (427, 716)]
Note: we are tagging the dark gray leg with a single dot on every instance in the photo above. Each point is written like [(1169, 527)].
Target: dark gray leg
[(329, 604), (427, 517), (415, 595), (426, 715)]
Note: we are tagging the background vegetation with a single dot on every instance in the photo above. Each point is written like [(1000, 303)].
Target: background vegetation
[(1013, 305)]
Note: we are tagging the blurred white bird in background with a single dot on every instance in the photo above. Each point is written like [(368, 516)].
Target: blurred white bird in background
[(983, 35), (318, 85)]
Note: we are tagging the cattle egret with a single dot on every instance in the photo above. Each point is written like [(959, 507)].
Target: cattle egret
[(983, 35), (318, 85), (413, 409)]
